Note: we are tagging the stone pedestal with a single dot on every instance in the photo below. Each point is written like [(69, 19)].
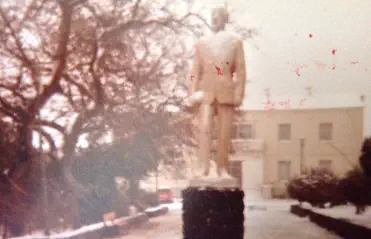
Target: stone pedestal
[(213, 213), (213, 181)]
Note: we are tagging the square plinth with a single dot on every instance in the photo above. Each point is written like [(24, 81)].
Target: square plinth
[(213, 213)]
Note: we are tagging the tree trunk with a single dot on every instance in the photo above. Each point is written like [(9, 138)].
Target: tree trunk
[(17, 228), (5, 228)]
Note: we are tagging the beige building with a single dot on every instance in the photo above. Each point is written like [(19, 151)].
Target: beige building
[(273, 144)]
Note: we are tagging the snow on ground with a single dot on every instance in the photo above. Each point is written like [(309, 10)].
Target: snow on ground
[(273, 222), (276, 222), (177, 205), (55, 235), (347, 213)]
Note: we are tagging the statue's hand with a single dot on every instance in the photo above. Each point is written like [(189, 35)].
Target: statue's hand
[(195, 98)]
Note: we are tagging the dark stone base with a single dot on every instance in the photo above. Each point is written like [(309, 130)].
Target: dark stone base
[(299, 211), (213, 213), (341, 227)]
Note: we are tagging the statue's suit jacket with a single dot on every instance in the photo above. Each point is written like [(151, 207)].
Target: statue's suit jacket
[(217, 58)]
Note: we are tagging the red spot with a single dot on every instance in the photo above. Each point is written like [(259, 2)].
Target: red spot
[(298, 67), (297, 71), (310, 35), (301, 102), (227, 62), (333, 67), (286, 104), (219, 71), (333, 51), (269, 104), (320, 65), (192, 78)]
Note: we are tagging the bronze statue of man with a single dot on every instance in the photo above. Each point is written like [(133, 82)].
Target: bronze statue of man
[(218, 86)]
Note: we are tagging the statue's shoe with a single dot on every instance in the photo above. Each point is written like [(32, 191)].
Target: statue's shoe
[(214, 181), (225, 175)]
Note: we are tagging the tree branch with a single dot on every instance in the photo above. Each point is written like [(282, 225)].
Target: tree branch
[(60, 57), (18, 43), (50, 124)]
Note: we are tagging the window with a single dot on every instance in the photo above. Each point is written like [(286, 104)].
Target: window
[(214, 133), (243, 131), (284, 132), (284, 168), (326, 164), (234, 131), (325, 131)]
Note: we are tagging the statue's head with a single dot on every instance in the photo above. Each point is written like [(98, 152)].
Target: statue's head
[(219, 18)]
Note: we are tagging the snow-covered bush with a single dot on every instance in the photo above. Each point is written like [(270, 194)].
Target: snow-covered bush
[(356, 189), (316, 186)]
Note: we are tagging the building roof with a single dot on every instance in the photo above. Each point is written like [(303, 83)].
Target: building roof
[(296, 102)]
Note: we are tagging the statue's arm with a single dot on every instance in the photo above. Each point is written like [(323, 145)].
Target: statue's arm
[(195, 71), (240, 73)]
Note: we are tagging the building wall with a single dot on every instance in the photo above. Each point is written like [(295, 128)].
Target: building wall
[(343, 150)]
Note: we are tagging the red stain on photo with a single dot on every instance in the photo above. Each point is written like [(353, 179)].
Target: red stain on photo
[(285, 104), (219, 71), (269, 105), (320, 65), (192, 78), (301, 101), (333, 51), (297, 69), (333, 67), (310, 35)]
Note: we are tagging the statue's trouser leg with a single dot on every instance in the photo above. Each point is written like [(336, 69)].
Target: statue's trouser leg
[(205, 129), (225, 124)]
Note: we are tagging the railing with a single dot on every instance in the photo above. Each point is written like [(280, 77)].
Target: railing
[(243, 145)]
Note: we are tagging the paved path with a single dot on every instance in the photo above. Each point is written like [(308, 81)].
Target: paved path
[(275, 222)]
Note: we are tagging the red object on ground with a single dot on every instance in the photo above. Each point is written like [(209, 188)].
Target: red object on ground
[(165, 195)]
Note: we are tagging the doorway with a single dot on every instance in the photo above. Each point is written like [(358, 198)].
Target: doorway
[(252, 177)]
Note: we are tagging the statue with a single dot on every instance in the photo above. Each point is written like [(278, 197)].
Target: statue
[(218, 86)]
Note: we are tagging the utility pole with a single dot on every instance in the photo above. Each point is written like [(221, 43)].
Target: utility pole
[(157, 195), (43, 179), (302, 142), (267, 92)]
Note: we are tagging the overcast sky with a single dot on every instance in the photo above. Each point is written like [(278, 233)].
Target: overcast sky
[(326, 42)]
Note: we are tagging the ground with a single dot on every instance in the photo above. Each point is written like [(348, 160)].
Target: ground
[(264, 220)]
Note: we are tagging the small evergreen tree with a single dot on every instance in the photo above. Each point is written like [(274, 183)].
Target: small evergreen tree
[(365, 158)]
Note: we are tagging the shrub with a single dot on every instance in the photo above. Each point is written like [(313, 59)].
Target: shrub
[(365, 158), (149, 198), (356, 189), (316, 186)]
